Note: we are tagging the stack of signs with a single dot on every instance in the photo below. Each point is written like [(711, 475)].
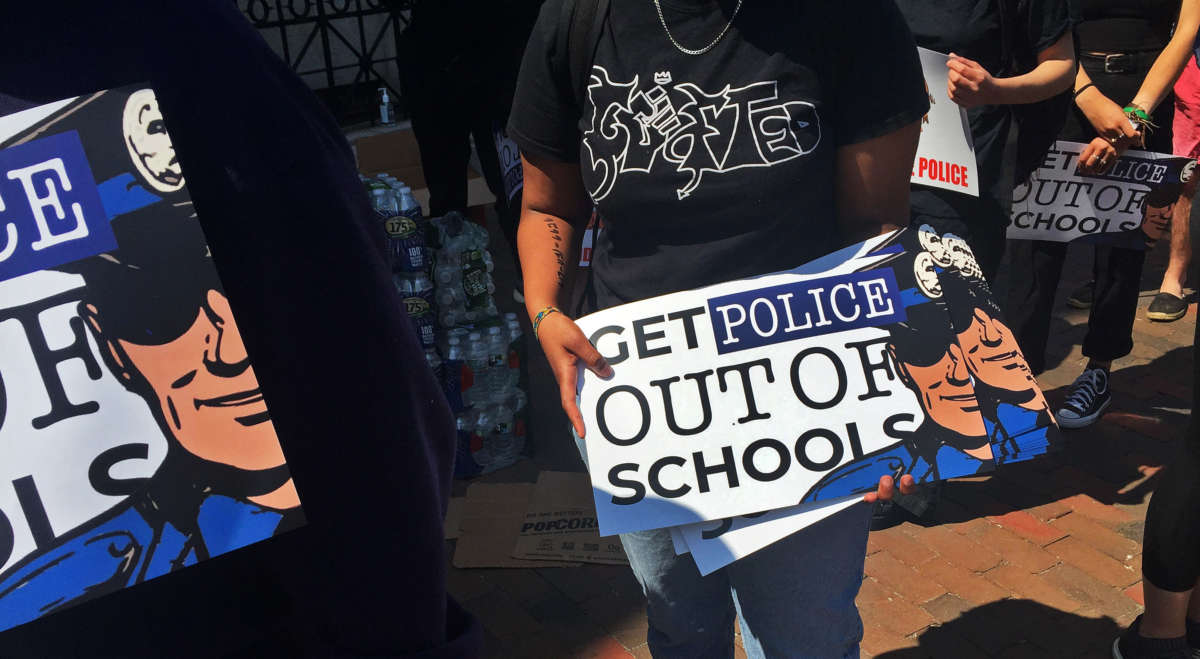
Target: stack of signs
[(1127, 206), (134, 437), (946, 153), (731, 403)]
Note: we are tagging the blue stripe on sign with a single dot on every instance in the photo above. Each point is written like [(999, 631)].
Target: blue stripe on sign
[(766, 316), (123, 194), (911, 297)]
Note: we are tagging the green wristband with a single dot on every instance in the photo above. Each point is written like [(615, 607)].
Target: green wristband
[(1137, 112)]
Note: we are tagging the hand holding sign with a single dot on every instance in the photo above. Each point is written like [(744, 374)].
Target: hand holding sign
[(567, 349), (945, 155), (968, 83)]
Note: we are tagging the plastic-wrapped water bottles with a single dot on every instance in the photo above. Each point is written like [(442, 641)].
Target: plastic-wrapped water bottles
[(462, 272), (382, 199)]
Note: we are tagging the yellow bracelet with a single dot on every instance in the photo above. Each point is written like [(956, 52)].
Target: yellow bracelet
[(541, 315)]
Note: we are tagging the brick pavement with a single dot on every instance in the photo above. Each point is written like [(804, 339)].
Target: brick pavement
[(1040, 560)]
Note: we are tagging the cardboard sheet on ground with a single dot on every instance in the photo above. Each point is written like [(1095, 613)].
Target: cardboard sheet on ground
[(560, 523), (1127, 206), (716, 544), (946, 153), (789, 388), (491, 521), (131, 445)]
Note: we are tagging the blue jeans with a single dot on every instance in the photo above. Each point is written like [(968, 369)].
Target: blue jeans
[(794, 598)]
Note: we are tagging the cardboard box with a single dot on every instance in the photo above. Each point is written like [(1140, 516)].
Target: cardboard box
[(394, 150), (492, 516), (560, 523)]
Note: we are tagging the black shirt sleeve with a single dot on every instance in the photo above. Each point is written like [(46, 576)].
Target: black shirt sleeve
[(545, 117), (877, 81), (1048, 21)]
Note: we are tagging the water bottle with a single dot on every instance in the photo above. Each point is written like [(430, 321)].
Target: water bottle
[(454, 374), (497, 341), (476, 392), (434, 361), (420, 308), (503, 440), (386, 117), (516, 348), (465, 463), (483, 424), (416, 292)]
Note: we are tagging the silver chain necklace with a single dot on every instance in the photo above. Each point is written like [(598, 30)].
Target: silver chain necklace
[(689, 51)]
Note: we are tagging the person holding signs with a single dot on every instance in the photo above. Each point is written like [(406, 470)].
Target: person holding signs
[(985, 46), (718, 141), (1128, 55)]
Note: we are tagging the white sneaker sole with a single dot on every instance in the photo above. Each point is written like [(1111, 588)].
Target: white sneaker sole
[(1083, 421)]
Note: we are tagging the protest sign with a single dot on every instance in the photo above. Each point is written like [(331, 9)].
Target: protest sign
[(792, 387), (715, 544), (946, 153), (1061, 205), (1016, 417), (134, 437), (560, 523)]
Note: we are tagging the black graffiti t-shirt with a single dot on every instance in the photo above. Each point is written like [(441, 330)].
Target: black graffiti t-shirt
[(713, 167)]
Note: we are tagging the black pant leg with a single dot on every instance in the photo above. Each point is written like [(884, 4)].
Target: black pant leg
[(1118, 274), (1036, 269), (1171, 539), (508, 211), (442, 136)]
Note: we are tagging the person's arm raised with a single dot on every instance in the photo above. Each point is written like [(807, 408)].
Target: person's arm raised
[(971, 85), (871, 193), (554, 206)]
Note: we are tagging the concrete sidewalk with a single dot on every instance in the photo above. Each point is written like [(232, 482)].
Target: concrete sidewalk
[(1041, 560)]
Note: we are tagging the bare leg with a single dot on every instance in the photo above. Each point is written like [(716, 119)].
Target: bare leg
[(1193, 610), (1181, 245), (1166, 612)]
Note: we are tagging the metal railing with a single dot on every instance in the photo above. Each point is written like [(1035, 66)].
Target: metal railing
[(344, 49)]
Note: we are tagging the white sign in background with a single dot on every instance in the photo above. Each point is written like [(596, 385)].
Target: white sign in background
[(946, 153), (622, 470), (57, 458)]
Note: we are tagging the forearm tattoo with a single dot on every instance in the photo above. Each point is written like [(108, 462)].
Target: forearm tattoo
[(559, 254)]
